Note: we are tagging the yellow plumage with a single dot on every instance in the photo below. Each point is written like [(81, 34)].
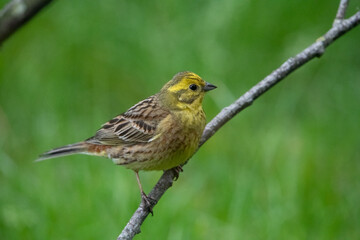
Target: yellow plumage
[(158, 133)]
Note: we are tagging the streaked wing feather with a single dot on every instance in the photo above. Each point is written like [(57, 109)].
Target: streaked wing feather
[(137, 125)]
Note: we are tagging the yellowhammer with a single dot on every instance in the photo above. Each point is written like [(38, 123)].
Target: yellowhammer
[(158, 133)]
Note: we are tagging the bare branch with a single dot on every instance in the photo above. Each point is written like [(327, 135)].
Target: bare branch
[(16, 13), (133, 226), (227, 113), (314, 50)]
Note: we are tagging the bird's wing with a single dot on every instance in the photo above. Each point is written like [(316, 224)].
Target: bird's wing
[(137, 125)]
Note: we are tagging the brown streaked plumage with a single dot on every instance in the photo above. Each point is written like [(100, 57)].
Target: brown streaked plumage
[(158, 133)]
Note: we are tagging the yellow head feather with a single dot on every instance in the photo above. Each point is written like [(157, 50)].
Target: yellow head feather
[(185, 90)]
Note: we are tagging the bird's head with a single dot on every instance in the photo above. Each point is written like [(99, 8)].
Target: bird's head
[(185, 90)]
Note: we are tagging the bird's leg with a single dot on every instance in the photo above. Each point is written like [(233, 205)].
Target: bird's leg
[(148, 202), (177, 171)]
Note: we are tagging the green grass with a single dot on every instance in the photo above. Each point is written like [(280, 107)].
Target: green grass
[(285, 168)]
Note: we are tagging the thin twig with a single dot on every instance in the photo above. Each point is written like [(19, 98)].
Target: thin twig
[(340, 15), (16, 13), (227, 113), (314, 50)]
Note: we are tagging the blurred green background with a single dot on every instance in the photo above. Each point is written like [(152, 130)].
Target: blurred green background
[(287, 167)]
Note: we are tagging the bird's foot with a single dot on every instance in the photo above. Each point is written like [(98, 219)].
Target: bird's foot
[(148, 203), (177, 171)]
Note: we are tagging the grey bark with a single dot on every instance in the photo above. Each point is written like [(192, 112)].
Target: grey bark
[(340, 15), (16, 13)]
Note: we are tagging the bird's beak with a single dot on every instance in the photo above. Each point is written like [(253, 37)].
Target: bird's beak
[(209, 86)]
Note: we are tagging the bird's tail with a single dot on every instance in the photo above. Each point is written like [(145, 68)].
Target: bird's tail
[(80, 147)]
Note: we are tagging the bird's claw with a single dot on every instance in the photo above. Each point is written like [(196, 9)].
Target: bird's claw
[(148, 203), (177, 171)]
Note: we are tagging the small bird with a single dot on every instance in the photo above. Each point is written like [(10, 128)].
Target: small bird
[(159, 133)]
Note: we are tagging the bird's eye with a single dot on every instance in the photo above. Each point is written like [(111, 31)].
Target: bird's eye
[(193, 87)]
